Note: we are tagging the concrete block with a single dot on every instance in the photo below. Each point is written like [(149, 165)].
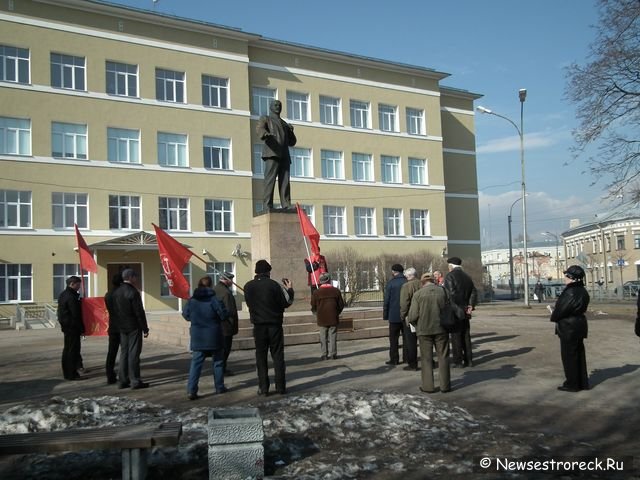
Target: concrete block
[(235, 425), (236, 462)]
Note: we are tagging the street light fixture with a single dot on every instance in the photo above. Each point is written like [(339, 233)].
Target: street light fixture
[(549, 234), (522, 95)]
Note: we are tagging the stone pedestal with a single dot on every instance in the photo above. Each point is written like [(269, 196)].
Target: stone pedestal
[(277, 238), (235, 444)]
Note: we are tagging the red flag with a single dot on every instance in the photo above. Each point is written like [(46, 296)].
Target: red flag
[(86, 258), (95, 316), (308, 230), (173, 258)]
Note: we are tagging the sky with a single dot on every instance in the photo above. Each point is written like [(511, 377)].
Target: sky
[(493, 48)]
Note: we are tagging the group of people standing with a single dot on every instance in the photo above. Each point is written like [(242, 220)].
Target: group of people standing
[(413, 308)]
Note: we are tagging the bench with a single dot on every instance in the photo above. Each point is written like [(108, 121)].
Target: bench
[(133, 440)]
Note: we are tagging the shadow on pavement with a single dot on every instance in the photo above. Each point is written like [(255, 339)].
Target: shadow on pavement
[(600, 375)]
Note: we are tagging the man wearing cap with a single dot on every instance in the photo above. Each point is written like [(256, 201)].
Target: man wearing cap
[(327, 304), (410, 339), (267, 301), (391, 313), (230, 325), (132, 323), (463, 296), (424, 314)]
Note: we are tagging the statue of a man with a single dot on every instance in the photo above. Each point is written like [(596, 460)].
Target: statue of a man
[(277, 136)]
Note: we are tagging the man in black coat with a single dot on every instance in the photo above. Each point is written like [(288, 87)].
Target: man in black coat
[(132, 323), (267, 301), (70, 319), (277, 136), (464, 297), (114, 333)]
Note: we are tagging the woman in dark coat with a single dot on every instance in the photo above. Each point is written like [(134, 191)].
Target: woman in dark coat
[(206, 315), (571, 327)]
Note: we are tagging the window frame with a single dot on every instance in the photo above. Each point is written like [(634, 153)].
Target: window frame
[(420, 222), (298, 107), (130, 210), (390, 168), (416, 122), (11, 131), (172, 216), (118, 77), (360, 113), (223, 148), (221, 91), (218, 212), (118, 143), (23, 281), (69, 204), (21, 207), (79, 140), (301, 162), (171, 147), (419, 171), (329, 111), (258, 99), (333, 220), (17, 62), (67, 71), (368, 215), (170, 86), (392, 217), (362, 163), (388, 114), (336, 164)]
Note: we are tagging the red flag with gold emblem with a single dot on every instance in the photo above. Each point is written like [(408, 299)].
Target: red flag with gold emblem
[(95, 316), (173, 258)]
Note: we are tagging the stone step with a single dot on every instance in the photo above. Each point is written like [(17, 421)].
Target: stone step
[(299, 328)]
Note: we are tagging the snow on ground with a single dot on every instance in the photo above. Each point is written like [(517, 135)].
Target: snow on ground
[(351, 434)]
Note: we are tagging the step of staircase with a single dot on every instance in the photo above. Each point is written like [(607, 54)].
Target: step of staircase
[(299, 328)]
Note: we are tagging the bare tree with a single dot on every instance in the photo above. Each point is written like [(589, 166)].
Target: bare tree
[(353, 271), (606, 92)]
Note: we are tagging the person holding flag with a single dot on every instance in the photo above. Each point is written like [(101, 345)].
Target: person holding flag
[(315, 263)]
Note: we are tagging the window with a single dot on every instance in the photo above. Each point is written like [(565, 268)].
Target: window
[(330, 110), (164, 285), (636, 240), (15, 282), (69, 140), (217, 153), (69, 208), (170, 86), (172, 150), (174, 213), (418, 171), (15, 209), (298, 106), (215, 269), (333, 219), (388, 118), (415, 121), (332, 166), (62, 271), (125, 212), (301, 162), (14, 64), (123, 145), (218, 215), (362, 166), (420, 223), (359, 114), (620, 242), (215, 91), (392, 218), (364, 221), (122, 79), (15, 136), (258, 163), (261, 99), (67, 71), (310, 211), (390, 169)]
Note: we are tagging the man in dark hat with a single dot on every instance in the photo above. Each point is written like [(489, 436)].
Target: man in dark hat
[(277, 136), (267, 301), (391, 313), (230, 325), (463, 296)]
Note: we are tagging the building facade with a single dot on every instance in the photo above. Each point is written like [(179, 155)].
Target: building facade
[(546, 263), (608, 250), (115, 119)]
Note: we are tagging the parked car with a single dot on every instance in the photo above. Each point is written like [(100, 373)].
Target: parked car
[(630, 288)]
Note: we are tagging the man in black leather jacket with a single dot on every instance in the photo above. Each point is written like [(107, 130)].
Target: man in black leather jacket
[(267, 301), (571, 327), (464, 297), (70, 319)]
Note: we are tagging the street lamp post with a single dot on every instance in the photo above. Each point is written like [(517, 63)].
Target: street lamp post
[(522, 95), (511, 251), (549, 234)]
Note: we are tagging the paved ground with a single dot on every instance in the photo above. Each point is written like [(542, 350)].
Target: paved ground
[(517, 369)]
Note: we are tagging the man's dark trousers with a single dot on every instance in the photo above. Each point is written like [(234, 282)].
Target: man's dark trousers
[(70, 354), (267, 338), (130, 349), (112, 353), (461, 346), (396, 330)]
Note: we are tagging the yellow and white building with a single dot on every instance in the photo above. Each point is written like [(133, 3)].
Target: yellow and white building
[(116, 118)]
